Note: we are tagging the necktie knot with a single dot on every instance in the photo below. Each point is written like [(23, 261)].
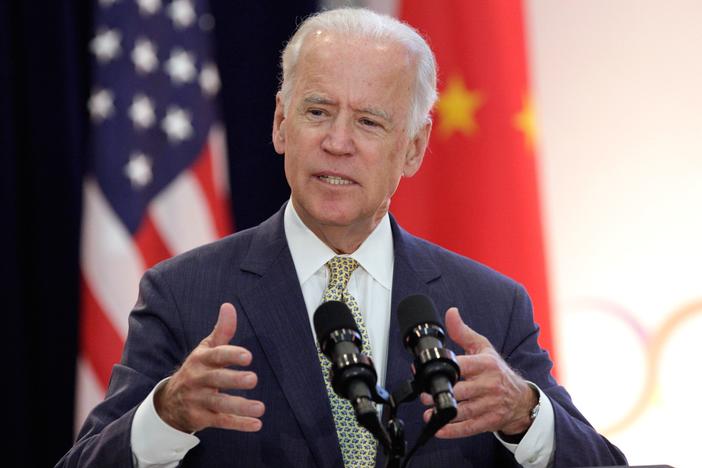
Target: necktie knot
[(340, 270)]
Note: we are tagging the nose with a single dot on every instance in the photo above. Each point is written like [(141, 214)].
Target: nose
[(339, 139)]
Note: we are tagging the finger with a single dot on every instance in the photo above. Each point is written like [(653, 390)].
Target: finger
[(236, 422), (223, 379), (235, 405), (474, 388), (460, 429), (467, 409), (224, 329), (426, 399), (471, 341), (473, 409), (226, 355), (475, 365)]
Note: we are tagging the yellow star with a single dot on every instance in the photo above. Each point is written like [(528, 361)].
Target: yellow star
[(525, 121), (457, 107)]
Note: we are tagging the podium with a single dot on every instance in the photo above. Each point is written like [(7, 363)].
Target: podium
[(632, 466)]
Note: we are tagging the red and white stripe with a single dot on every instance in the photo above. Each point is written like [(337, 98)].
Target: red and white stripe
[(191, 211)]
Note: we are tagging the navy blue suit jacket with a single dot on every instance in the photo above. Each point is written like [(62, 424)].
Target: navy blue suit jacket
[(178, 306)]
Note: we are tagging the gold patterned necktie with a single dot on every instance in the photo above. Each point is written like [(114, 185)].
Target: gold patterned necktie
[(358, 446)]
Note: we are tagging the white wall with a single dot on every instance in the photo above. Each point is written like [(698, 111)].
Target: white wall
[(618, 85)]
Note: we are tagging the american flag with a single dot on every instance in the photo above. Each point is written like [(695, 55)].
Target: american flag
[(156, 184)]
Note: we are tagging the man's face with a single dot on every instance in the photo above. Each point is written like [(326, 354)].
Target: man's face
[(345, 135)]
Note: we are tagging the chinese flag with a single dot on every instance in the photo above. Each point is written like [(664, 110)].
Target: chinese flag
[(477, 192)]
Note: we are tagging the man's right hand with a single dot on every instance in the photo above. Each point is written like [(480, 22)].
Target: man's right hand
[(191, 400)]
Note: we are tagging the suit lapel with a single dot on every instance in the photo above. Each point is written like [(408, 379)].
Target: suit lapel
[(276, 310), (413, 271)]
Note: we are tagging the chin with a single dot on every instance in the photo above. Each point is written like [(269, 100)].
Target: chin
[(336, 219), (334, 215)]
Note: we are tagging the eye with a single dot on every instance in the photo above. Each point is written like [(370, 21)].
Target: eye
[(366, 122), (314, 112)]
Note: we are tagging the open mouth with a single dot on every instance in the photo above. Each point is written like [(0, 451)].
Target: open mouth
[(335, 180)]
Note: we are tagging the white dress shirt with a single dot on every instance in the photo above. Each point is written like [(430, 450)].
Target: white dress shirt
[(155, 444), (370, 283)]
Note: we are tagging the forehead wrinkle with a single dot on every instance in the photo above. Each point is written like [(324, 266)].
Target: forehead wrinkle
[(321, 50)]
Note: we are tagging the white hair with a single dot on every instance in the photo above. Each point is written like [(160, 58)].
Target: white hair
[(359, 22)]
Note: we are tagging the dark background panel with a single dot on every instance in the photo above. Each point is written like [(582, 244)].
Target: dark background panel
[(42, 95), (249, 39)]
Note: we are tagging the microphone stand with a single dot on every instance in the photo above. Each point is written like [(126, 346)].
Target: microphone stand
[(392, 436)]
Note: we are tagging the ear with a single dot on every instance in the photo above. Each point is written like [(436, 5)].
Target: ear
[(279, 125), (416, 149)]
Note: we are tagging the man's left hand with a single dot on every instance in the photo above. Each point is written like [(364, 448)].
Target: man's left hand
[(491, 396)]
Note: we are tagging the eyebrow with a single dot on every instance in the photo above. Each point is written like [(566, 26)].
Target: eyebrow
[(316, 99), (377, 112)]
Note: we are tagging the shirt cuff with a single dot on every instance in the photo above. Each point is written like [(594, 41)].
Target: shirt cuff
[(153, 441), (537, 447)]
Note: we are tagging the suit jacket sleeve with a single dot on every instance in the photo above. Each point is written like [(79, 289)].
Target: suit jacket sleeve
[(576, 441), (154, 347)]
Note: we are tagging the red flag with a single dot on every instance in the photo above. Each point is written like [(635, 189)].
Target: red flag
[(477, 191), (157, 183)]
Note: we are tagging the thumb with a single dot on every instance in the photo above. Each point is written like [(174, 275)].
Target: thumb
[(468, 339), (225, 328)]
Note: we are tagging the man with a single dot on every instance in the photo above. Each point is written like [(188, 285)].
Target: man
[(351, 119)]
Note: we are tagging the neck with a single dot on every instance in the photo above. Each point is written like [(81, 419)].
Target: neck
[(342, 239)]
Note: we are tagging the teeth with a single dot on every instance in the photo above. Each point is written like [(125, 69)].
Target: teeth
[(334, 180)]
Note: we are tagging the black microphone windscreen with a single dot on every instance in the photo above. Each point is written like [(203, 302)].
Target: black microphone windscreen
[(330, 316), (415, 310)]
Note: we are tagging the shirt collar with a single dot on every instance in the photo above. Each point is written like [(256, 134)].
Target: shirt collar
[(309, 253)]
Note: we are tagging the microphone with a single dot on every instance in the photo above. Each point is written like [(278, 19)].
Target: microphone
[(435, 368), (352, 374)]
